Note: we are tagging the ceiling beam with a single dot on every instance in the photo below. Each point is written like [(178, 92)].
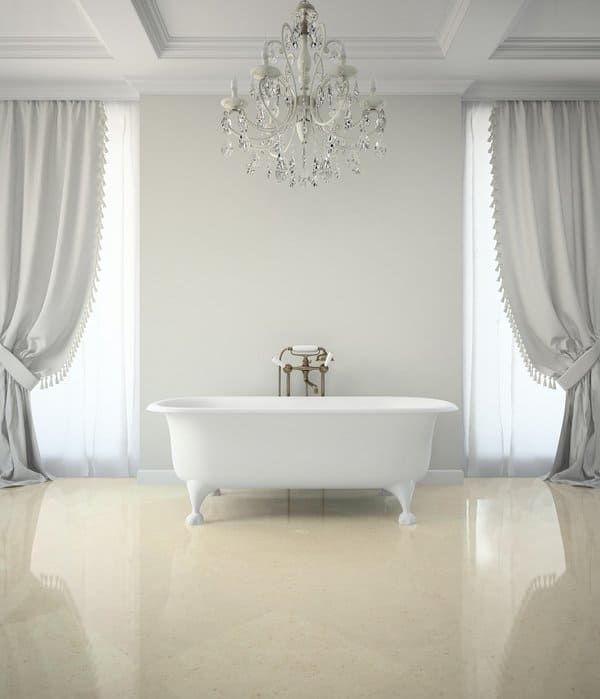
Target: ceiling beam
[(118, 26), (484, 26)]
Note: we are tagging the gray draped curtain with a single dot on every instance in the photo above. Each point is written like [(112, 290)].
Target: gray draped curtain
[(546, 197), (51, 193)]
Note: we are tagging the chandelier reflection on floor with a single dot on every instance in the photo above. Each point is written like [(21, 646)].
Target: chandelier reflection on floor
[(307, 119)]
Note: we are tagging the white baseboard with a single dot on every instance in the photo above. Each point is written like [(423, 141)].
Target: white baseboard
[(444, 476), (166, 476), (157, 476)]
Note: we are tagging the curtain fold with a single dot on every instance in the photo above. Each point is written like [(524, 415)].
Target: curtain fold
[(51, 193), (546, 195)]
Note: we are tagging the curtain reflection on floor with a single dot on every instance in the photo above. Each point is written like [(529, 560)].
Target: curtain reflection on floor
[(40, 626), (68, 590), (560, 613)]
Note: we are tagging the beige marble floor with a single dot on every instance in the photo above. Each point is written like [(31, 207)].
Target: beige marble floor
[(104, 592)]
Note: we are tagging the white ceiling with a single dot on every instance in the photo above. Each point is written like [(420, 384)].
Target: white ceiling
[(119, 48)]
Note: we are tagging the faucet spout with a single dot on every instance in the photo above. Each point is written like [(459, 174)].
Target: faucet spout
[(313, 386)]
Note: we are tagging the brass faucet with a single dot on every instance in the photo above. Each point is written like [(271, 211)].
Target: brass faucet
[(307, 352)]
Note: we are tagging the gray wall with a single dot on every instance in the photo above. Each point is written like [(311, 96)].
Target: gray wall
[(234, 267)]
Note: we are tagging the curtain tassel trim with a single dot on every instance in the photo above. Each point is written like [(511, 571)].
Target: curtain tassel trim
[(538, 376), (60, 375)]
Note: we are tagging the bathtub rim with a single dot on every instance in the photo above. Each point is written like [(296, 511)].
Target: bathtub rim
[(302, 405)]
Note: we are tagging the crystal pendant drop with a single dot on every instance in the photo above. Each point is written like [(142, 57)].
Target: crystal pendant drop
[(380, 149), (226, 124), (227, 149), (353, 163)]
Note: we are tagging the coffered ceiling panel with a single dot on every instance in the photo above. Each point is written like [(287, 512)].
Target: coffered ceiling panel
[(47, 18), (546, 29), (557, 18), (375, 18), (48, 29)]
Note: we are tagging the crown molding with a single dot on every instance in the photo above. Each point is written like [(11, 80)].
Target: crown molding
[(167, 46), (422, 87), (482, 92), (452, 24), (161, 86), (153, 23), (217, 86), (113, 91), (548, 47), (250, 47), (52, 47), (212, 47), (384, 47)]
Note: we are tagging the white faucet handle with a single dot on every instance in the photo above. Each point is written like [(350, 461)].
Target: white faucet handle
[(278, 362), (328, 359)]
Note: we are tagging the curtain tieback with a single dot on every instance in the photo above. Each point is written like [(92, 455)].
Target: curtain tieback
[(580, 367), (17, 369)]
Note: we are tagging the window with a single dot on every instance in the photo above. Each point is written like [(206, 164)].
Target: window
[(88, 424), (511, 423)]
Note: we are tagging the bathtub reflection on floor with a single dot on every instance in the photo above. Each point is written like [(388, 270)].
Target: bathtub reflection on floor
[(104, 594)]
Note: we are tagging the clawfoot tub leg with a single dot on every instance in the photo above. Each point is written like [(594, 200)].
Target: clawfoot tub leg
[(197, 492), (404, 492)]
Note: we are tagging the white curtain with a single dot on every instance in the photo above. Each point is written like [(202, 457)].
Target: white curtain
[(88, 425), (51, 193), (512, 424), (546, 192)]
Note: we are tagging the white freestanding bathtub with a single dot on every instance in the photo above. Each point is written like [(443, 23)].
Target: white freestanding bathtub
[(317, 442)]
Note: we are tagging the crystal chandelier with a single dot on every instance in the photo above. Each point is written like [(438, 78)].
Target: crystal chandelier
[(306, 118)]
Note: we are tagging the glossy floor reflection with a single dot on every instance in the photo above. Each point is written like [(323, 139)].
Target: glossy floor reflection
[(105, 593)]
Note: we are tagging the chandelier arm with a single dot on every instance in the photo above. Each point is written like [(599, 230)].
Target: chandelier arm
[(350, 141), (284, 150), (271, 131), (318, 58), (282, 126), (320, 69), (275, 43), (336, 42), (329, 122), (258, 143), (280, 44), (290, 140), (325, 124), (287, 60), (250, 139), (371, 129)]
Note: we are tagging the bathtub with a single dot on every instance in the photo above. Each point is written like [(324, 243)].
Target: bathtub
[(298, 442)]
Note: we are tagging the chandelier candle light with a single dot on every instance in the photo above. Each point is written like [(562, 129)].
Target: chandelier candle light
[(307, 117)]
